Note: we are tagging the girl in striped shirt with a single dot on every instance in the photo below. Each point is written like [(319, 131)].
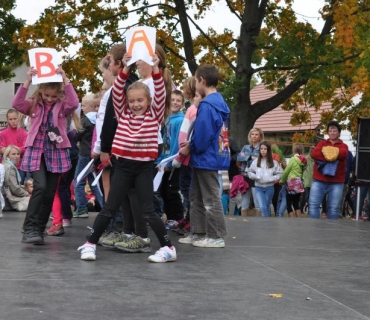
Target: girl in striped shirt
[(135, 147)]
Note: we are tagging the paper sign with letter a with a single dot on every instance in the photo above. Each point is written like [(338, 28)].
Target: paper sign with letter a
[(140, 43), (45, 61)]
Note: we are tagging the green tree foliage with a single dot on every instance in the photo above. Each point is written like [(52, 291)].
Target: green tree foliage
[(304, 66), (10, 55)]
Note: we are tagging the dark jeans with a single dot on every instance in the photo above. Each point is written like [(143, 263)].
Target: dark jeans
[(170, 189), (133, 221), (129, 174), (275, 198), (304, 199), (44, 187)]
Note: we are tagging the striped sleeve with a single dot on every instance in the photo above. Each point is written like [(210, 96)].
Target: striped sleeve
[(159, 101), (119, 98)]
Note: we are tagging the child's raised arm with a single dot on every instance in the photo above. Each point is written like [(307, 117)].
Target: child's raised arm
[(118, 91), (159, 99)]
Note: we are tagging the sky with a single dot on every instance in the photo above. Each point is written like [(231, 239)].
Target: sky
[(31, 10)]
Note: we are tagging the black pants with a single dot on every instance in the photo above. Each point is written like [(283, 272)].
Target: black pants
[(304, 198), (292, 202), (170, 188), (44, 187), (277, 188), (130, 174), (133, 220)]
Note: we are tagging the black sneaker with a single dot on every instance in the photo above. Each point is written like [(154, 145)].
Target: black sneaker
[(31, 236)]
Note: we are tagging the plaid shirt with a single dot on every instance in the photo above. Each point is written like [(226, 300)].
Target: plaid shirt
[(57, 160)]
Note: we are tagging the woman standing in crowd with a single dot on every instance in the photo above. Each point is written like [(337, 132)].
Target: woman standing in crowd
[(329, 173), (249, 153)]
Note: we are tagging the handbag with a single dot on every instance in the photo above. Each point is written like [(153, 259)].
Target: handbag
[(295, 185)]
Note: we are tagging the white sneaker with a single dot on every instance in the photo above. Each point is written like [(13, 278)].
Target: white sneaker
[(164, 254), (191, 238), (210, 243), (1, 215), (88, 252)]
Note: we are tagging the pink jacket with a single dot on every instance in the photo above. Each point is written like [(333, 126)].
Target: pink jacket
[(190, 116), (61, 110), (238, 185)]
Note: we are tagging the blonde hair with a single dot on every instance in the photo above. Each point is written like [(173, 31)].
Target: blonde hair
[(262, 136), (28, 182), (89, 99), (7, 151), (76, 121), (104, 63), (36, 96), (139, 86), (189, 88)]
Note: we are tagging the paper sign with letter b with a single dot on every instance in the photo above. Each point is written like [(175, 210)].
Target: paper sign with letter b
[(140, 43), (45, 61)]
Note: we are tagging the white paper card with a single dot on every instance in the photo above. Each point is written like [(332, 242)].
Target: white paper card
[(84, 171), (158, 177), (45, 61), (140, 43)]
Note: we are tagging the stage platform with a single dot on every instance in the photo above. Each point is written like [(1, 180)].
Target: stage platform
[(271, 268)]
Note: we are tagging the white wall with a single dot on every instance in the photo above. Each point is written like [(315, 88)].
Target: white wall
[(7, 90)]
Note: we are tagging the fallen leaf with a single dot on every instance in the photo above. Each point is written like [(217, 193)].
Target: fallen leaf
[(275, 295)]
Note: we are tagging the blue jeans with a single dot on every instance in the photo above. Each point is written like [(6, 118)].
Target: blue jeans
[(264, 198), (281, 206), (81, 202), (246, 198), (318, 191)]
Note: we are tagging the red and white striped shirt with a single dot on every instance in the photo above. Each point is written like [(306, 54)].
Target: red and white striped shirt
[(136, 137)]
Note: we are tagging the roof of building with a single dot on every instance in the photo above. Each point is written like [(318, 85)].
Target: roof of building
[(279, 119)]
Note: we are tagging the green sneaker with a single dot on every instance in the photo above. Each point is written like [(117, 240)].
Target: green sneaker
[(113, 238), (81, 213), (134, 244), (103, 237)]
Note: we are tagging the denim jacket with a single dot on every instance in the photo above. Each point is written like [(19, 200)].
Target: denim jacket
[(246, 154)]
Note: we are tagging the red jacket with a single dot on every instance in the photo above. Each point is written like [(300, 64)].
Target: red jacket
[(317, 155)]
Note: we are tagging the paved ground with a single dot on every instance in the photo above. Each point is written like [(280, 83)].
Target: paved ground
[(319, 267)]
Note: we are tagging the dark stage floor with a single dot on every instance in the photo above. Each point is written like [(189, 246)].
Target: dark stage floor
[(319, 267)]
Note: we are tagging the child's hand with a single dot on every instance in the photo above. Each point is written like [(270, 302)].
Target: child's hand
[(156, 63), (184, 151), (126, 58), (31, 72), (185, 148), (60, 71)]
